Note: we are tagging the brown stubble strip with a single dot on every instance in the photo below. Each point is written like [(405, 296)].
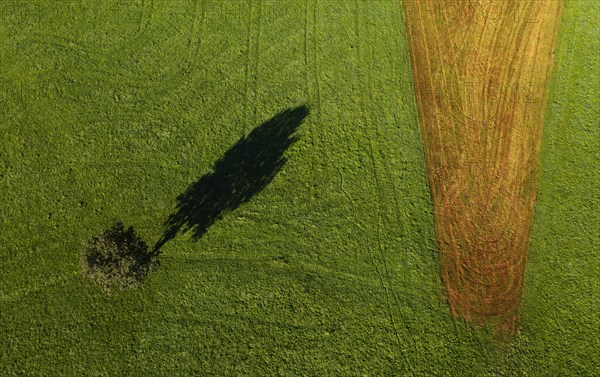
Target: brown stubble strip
[(481, 72)]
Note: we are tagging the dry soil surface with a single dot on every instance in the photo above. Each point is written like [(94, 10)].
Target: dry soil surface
[(481, 72)]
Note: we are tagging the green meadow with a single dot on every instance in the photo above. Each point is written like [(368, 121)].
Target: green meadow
[(317, 256)]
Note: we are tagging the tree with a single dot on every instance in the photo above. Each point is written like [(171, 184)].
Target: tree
[(117, 259)]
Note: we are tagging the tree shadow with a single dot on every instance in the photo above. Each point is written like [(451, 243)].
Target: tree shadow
[(243, 171)]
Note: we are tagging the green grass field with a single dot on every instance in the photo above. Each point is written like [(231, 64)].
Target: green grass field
[(111, 110)]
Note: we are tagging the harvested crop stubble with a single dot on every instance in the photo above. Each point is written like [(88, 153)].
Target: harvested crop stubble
[(481, 72)]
